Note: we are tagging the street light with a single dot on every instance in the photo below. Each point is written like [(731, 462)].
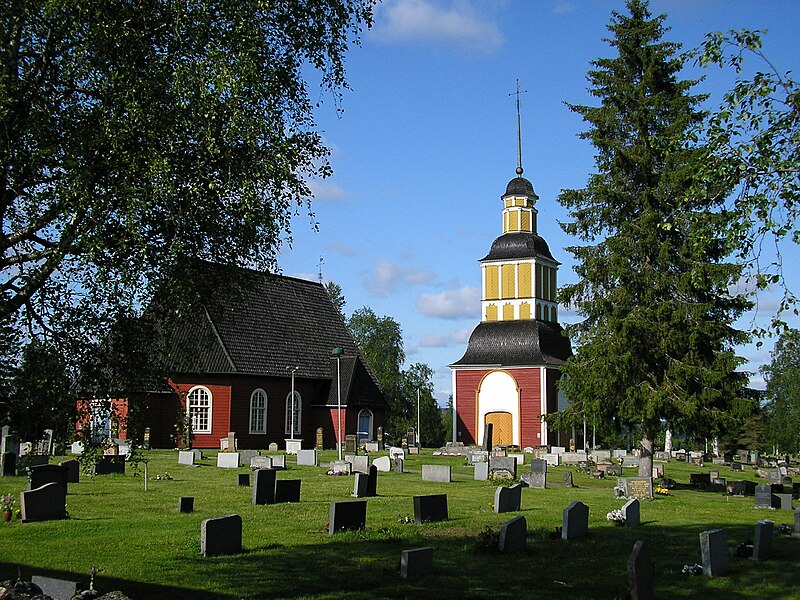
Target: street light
[(291, 426), (337, 352)]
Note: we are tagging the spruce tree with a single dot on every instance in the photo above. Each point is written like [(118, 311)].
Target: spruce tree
[(655, 347)]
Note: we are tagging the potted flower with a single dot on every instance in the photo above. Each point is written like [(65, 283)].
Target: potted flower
[(7, 507)]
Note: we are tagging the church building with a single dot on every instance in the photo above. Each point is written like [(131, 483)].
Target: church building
[(509, 373)]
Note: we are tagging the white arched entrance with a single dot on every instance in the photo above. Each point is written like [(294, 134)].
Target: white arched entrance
[(498, 403)]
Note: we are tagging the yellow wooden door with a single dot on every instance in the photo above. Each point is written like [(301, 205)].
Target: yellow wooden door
[(502, 429)]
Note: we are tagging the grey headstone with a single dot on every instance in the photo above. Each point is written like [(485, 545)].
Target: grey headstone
[(513, 536), (481, 471), (538, 474), (784, 501), (371, 446), (568, 479), (765, 498), (360, 464), (430, 508), (57, 589), (264, 486), (636, 487), (340, 467), (630, 511), (398, 465), (630, 461), (278, 461), (503, 465), (383, 464), (614, 471), (228, 460), (350, 444), (307, 458), (487, 437), (762, 540), (714, 552), (640, 572), (508, 499), (287, 490), (440, 473), (416, 563), (76, 448), (348, 515), (186, 504), (360, 485), (396, 452), (261, 462), (44, 504), (245, 456), (273, 447), (222, 535), (575, 522)]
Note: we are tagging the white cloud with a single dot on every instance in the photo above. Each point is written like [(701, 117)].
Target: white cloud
[(444, 340), (325, 189), (455, 24), (389, 277), (451, 304), (342, 249)]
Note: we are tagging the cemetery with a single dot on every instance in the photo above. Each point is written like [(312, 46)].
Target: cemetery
[(199, 534)]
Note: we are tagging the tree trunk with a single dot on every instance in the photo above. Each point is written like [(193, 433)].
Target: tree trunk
[(646, 453)]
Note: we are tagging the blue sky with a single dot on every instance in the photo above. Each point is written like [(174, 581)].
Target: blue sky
[(426, 143)]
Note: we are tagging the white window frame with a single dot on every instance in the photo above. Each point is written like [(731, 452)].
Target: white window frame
[(258, 414), (298, 413), (365, 411), (196, 406)]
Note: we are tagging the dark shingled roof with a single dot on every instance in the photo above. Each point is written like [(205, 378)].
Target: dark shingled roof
[(519, 245), (518, 186), (516, 343), (275, 322)]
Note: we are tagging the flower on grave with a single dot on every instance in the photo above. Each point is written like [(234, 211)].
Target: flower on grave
[(7, 502), (660, 490), (785, 528), (616, 516)]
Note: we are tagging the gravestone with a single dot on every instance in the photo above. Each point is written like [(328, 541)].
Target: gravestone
[(481, 471), (796, 532), (232, 443), (339, 467), (714, 552), (575, 521), (513, 536), (372, 482), (430, 508), (347, 515), (278, 461), (796, 491), (567, 479), (319, 439), (186, 504), (661, 456), (740, 488), (43, 474), (350, 444), (439, 473), (551, 459), (503, 466), (765, 498), (110, 465), (360, 464), (416, 563), (8, 464), (774, 476), (640, 488), (370, 447), (264, 486), (784, 501), (46, 503), (261, 462), (307, 458), (243, 479), (487, 437), (658, 471), (699, 479), (221, 535), (287, 490), (360, 485), (273, 447), (558, 449), (245, 456), (640, 572), (520, 458), (73, 469), (630, 461), (57, 589), (630, 512), (572, 458), (614, 471), (228, 460), (186, 457), (737, 466), (507, 499), (383, 464), (396, 452), (762, 540), (476, 456), (398, 465), (537, 478)]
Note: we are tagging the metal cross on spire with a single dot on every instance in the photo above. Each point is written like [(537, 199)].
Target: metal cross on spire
[(519, 130)]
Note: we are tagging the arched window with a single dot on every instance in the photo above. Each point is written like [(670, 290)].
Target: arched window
[(198, 404), (364, 425), (258, 412), (297, 413)]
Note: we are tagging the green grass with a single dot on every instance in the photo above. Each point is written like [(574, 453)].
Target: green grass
[(149, 550)]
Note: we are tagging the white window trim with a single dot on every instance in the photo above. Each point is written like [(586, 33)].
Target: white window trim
[(210, 408), (298, 414), (253, 430)]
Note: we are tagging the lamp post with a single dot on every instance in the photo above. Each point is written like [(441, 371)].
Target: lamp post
[(291, 426), (337, 352), (419, 443)]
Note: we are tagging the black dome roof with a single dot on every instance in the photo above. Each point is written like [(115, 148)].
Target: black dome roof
[(516, 343), (519, 245), (520, 185)]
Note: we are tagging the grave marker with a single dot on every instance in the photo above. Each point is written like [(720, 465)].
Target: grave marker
[(537, 478), (398, 465), (507, 499), (439, 473), (278, 461), (640, 488), (287, 490), (714, 552), (110, 465), (221, 535), (567, 479), (762, 540), (360, 485), (765, 498), (46, 503), (481, 471), (575, 521), (416, 563), (513, 536), (503, 466), (186, 457), (630, 512), (186, 504), (382, 463), (320, 438), (261, 462), (228, 460), (243, 479), (307, 458), (430, 508), (264, 486), (640, 572), (372, 481), (347, 515), (44, 474)]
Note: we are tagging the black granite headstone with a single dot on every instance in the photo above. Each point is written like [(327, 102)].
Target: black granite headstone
[(347, 515), (513, 536), (264, 486), (186, 504), (640, 572), (430, 508), (222, 535), (287, 490)]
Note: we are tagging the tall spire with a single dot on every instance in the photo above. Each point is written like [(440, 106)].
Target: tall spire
[(519, 130)]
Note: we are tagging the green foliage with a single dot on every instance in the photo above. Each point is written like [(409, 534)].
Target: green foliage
[(140, 137), (782, 410), (337, 296), (656, 343), (754, 140), (419, 377)]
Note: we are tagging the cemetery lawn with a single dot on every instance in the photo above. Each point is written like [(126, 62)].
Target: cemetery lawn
[(147, 549)]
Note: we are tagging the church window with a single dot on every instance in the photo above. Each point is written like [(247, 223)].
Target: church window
[(198, 402), (258, 412), (293, 413)]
